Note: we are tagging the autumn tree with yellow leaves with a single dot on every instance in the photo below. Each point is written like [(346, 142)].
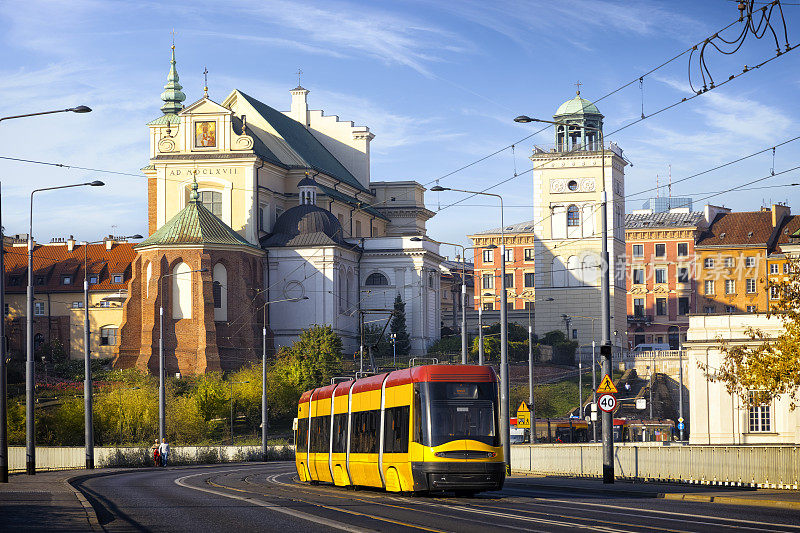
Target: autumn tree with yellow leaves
[(761, 371)]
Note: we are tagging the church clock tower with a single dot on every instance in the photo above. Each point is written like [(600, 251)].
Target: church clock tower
[(568, 184)]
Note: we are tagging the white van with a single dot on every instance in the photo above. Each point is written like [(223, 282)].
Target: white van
[(652, 347)]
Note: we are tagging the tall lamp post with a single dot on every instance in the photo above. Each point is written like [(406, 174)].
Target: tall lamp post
[(162, 395), (30, 376), (504, 392), (605, 293), (30, 459), (463, 287), (264, 417), (88, 423)]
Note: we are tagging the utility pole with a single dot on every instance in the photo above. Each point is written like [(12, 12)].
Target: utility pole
[(3, 415), (594, 384), (480, 335), (530, 379)]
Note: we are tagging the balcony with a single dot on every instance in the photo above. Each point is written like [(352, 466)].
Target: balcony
[(639, 319)]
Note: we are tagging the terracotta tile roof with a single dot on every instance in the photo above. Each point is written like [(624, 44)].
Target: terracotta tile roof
[(791, 225), (51, 262), (747, 228)]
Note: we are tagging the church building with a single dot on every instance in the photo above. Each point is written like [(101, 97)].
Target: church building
[(262, 219)]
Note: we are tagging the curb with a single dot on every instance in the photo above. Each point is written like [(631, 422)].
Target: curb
[(91, 515), (730, 500)]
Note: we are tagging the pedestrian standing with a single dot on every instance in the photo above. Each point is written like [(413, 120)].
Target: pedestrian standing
[(163, 450), (156, 454)]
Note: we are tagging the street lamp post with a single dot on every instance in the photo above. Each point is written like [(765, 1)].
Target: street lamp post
[(88, 418), (504, 389), (162, 395), (394, 349), (231, 384), (30, 453), (3, 392), (264, 416), (605, 295), (30, 371), (480, 334)]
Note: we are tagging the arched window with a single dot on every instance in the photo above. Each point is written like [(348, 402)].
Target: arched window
[(376, 278), (181, 291), (574, 278), (148, 273), (559, 273), (573, 215), (220, 290)]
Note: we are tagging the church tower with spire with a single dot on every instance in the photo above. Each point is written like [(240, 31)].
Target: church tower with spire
[(569, 182)]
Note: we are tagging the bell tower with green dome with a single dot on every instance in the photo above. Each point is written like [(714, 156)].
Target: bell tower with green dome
[(569, 181)]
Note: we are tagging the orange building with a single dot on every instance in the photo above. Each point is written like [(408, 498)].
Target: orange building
[(732, 260)]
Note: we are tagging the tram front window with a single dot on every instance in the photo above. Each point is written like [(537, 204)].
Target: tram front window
[(454, 411)]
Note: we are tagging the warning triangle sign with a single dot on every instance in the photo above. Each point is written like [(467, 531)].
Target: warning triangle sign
[(523, 407), (606, 386)]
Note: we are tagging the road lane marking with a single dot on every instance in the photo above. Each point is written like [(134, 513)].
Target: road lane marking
[(292, 512)]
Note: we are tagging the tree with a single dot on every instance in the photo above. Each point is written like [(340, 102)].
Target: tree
[(381, 345), (760, 373), (316, 357), (398, 327)]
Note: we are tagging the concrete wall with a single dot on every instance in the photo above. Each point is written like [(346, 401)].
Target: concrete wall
[(762, 466)]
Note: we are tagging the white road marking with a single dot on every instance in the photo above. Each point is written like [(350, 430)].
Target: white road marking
[(273, 507)]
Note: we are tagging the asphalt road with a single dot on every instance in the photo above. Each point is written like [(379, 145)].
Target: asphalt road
[(267, 497)]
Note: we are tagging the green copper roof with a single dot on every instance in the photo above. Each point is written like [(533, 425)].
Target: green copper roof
[(172, 95), (165, 119), (194, 225), (577, 106)]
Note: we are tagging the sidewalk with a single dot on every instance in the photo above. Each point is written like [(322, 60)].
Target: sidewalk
[(783, 499), (45, 501)]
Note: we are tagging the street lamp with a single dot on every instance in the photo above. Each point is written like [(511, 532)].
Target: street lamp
[(264, 417), (504, 392), (605, 292), (30, 454), (162, 395), (30, 383), (88, 423), (79, 109), (231, 384)]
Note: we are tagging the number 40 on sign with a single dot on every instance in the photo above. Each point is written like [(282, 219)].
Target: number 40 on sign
[(607, 402)]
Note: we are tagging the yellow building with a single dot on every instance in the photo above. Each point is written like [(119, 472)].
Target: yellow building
[(732, 262)]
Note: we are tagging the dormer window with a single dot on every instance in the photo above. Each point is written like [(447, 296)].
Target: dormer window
[(39, 280), (13, 281), (117, 278), (93, 280), (66, 280)]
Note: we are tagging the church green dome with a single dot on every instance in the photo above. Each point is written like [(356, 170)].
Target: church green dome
[(577, 106)]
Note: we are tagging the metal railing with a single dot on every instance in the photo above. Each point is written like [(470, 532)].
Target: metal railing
[(766, 466)]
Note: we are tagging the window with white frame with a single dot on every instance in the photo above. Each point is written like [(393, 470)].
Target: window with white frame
[(728, 262), (730, 308), (774, 268), (752, 309), (93, 280), (77, 305), (709, 286), (774, 292), (66, 280), (38, 308), (683, 249), (661, 275), (212, 200), (786, 268), (749, 261), (488, 256), (759, 415), (708, 262), (488, 281), (661, 250), (751, 285), (529, 254), (730, 286), (117, 278), (108, 336), (509, 255), (638, 250), (638, 276)]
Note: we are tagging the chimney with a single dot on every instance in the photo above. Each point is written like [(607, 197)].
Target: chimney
[(70, 243), (710, 212), (109, 242), (299, 109), (779, 211)]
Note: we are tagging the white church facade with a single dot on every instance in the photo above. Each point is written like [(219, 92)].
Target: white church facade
[(294, 185)]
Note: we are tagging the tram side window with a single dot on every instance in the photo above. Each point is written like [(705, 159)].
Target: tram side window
[(395, 431), (340, 433), (365, 432), (320, 430), (302, 433), (419, 415)]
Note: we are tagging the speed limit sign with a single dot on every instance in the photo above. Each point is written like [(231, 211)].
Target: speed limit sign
[(607, 402)]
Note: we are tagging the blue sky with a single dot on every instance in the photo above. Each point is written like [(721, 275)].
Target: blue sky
[(437, 82)]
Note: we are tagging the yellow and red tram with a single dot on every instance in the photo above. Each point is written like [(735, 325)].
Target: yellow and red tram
[(425, 428)]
